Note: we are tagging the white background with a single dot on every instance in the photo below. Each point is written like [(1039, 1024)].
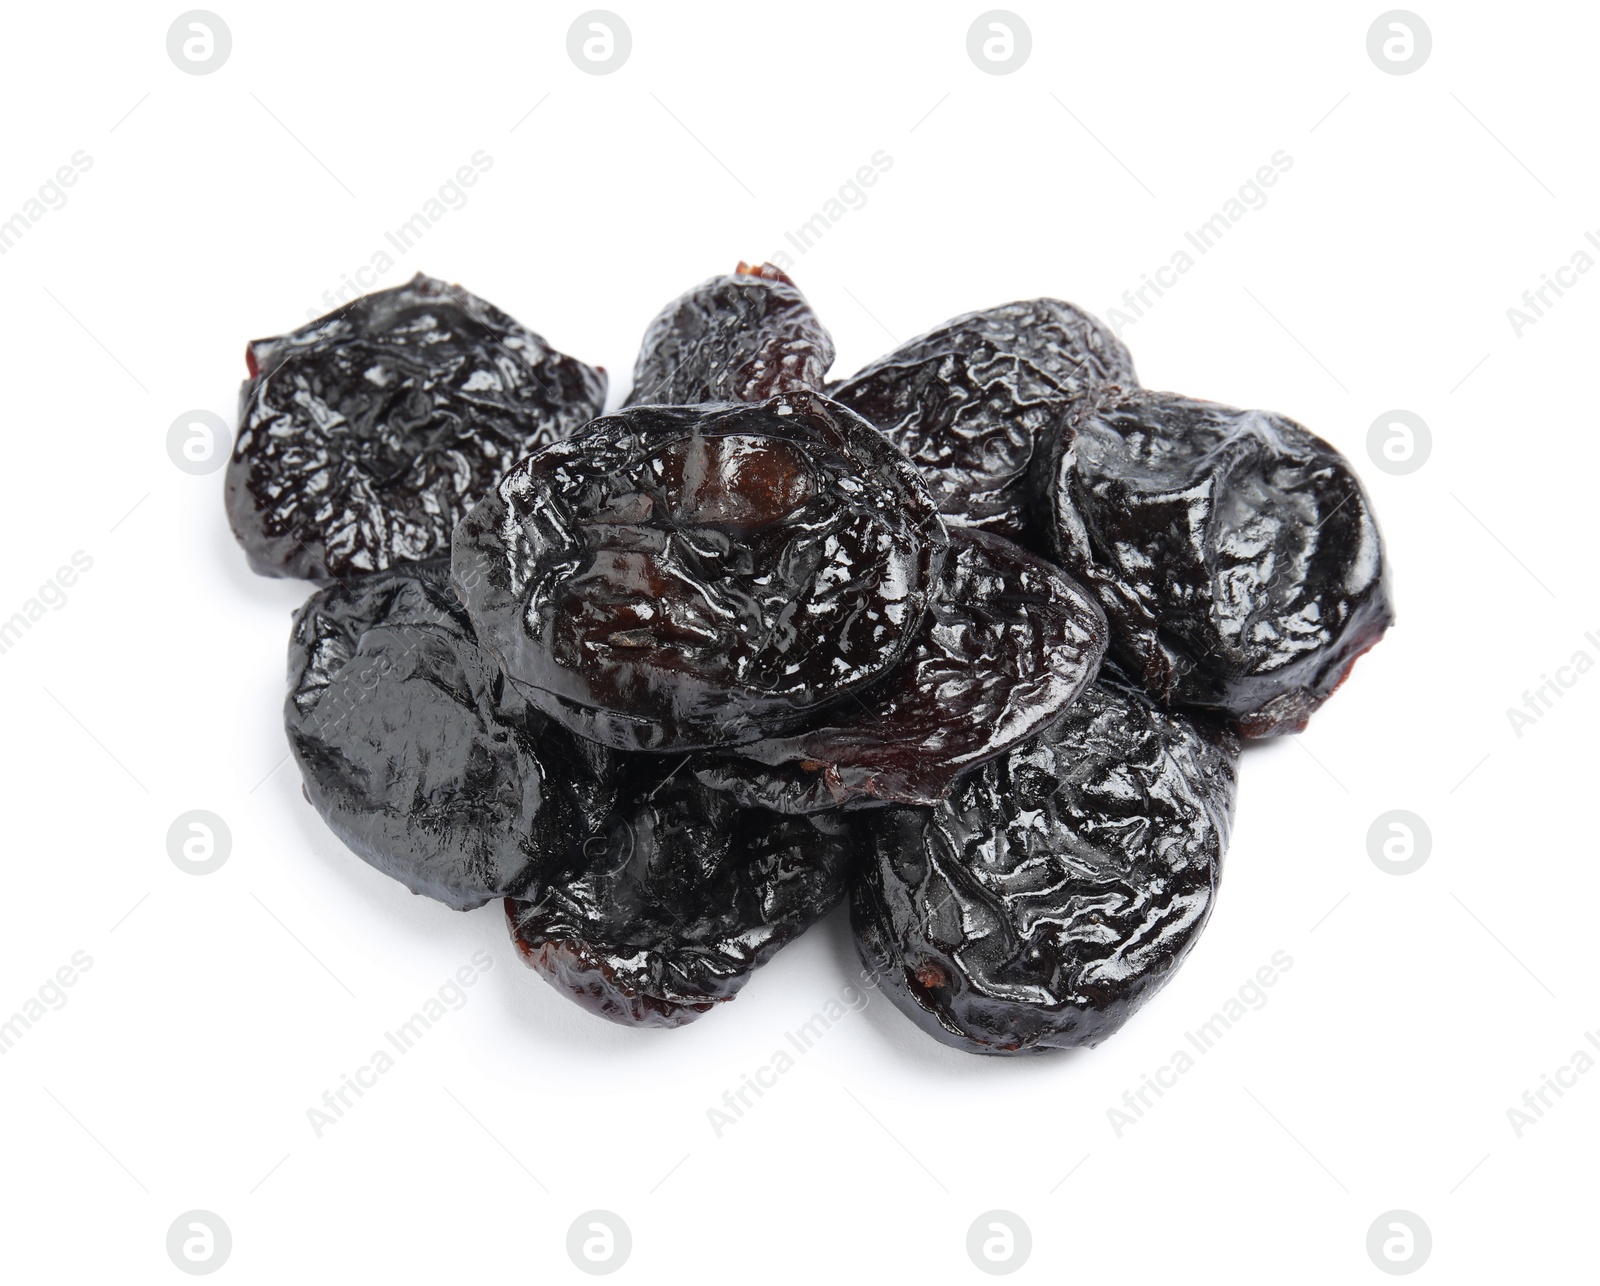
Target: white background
[(218, 1009)]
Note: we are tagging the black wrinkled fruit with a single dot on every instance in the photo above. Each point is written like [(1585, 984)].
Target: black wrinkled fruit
[(1059, 887), (406, 749), (1235, 554), (974, 401), (743, 337), (970, 638), (1009, 643), (675, 897), (678, 577), (367, 434)]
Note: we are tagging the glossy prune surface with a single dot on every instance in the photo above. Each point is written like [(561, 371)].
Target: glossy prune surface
[(395, 718), (974, 401), (1236, 554), (364, 436), (677, 577), (970, 638), (675, 897), (1059, 886), (743, 337), (1008, 644)]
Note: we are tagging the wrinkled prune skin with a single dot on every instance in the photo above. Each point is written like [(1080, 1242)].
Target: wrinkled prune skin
[(680, 577), (743, 337), (408, 750), (976, 400), (676, 896), (367, 434), (1236, 554), (1008, 645), (1059, 887)]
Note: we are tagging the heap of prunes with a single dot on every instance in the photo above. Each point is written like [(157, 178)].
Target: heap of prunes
[(971, 638)]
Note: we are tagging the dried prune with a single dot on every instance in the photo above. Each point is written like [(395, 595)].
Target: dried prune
[(1059, 887), (367, 434), (743, 337), (970, 638), (676, 896), (1009, 643), (1235, 553), (407, 749), (677, 577), (973, 402)]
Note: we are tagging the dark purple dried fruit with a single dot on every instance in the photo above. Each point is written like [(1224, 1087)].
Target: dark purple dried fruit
[(1059, 887), (676, 897), (367, 434), (739, 338), (407, 750), (677, 577), (1236, 554), (1008, 645), (974, 401)]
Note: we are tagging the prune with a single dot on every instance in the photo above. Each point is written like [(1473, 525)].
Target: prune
[(694, 672), (407, 749), (973, 402), (743, 337), (677, 577), (367, 434), (1059, 886), (1009, 643), (1235, 554), (676, 897)]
